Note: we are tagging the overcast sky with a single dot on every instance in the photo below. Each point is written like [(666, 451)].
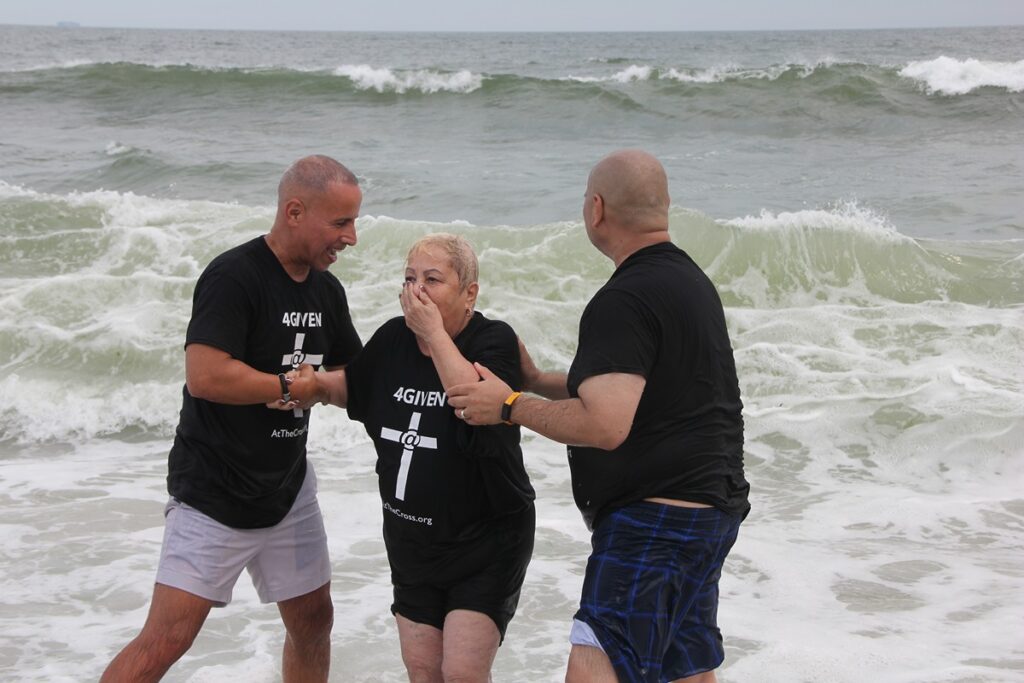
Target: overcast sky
[(516, 15)]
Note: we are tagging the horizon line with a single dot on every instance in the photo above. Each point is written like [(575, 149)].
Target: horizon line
[(72, 25)]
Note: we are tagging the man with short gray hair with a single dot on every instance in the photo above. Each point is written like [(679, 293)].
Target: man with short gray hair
[(243, 495)]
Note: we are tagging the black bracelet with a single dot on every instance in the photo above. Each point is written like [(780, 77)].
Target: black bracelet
[(506, 407), (286, 394)]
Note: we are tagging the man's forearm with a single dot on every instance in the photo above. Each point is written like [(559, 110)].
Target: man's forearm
[(565, 421), (601, 416), (232, 382)]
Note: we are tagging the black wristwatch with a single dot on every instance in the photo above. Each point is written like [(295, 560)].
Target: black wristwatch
[(286, 394)]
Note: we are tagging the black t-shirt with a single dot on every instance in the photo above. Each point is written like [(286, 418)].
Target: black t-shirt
[(442, 482), (660, 316), (243, 465)]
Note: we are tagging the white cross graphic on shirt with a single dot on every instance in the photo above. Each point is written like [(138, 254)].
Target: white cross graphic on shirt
[(297, 357), (410, 440)]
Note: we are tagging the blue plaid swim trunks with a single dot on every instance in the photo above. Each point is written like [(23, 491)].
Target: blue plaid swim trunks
[(650, 594)]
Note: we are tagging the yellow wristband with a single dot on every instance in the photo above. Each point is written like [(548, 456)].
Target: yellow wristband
[(506, 408)]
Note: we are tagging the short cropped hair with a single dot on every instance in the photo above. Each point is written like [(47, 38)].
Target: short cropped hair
[(459, 252), (314, 174)]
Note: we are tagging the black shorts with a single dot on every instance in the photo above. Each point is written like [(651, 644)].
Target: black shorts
[(485, 576)]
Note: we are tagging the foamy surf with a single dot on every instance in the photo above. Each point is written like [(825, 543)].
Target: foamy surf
[(719, 73), (950, 76), (366, 77)]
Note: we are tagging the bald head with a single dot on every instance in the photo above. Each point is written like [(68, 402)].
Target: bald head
[(634, 187), (309, 177)]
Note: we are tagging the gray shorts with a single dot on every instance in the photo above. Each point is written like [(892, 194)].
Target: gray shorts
[(205, 558)]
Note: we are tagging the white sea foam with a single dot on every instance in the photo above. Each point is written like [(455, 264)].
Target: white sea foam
[(950, 76), (366, 77), (634, 72), (719, 73), (66, 64), (909, 567), (115, 148), (8, 190), (112, 309), (714, 74), (728, 72), (845, 217), (168, 236)]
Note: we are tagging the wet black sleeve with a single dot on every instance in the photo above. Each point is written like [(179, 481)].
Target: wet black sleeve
[(496, 447), (221, 312), (495, 346), (359, 372), (617, 334), (345, 342)]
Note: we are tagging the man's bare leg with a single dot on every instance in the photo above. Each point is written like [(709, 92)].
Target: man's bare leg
[(307, 644), (175, 618), (589, 665)]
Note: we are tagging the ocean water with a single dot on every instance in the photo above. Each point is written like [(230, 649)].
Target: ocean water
[(858, 198)]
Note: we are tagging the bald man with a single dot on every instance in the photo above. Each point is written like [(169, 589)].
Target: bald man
[(242, 493), (652, 414)]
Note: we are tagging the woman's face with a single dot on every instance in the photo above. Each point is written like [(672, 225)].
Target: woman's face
[(430, 270)]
